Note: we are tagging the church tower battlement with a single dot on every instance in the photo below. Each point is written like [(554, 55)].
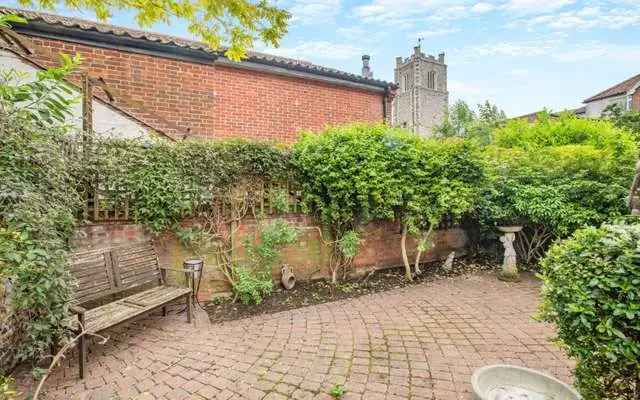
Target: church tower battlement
[(422, 99)]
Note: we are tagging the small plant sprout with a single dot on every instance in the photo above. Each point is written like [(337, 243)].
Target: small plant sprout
[(337, 391)]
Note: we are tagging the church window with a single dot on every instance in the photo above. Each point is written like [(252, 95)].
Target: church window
[(431, 79)]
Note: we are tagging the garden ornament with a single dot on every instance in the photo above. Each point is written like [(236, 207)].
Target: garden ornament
[(511, 382), (194, 279), (288, 277), (509, 270), (448, 263)]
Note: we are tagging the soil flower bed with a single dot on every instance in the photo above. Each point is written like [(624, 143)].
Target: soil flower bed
[(321, 291)]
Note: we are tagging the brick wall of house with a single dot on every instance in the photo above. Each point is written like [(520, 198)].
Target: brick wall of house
[(635, 100), (309, 256), (217, 101)]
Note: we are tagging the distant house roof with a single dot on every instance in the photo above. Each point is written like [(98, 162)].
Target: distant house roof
[(616, 90), (532, 117), (47, 24)]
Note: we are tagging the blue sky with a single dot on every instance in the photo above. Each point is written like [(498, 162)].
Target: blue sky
[(521, 54)]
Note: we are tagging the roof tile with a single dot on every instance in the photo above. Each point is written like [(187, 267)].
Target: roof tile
[(290, 63), (620, 88)]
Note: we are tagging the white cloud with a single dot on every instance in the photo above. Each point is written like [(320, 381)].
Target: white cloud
[(585, 18), (314, 50), (482, 8), (307, 12), (556, 49), (435, 32), (505, 49), (598, 50), (409, 11), (536, 6)]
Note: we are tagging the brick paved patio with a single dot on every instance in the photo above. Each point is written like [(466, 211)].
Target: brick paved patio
[(421, 342)]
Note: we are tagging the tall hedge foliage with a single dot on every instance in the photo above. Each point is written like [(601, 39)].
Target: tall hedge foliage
[(591, 292), (354, 174), (38, 204), (555, 176), (39, 197)]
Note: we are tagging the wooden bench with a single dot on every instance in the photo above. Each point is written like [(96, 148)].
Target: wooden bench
[(126, 281)]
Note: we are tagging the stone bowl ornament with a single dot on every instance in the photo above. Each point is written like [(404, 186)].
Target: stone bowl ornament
[(510, 382), (509, 271), (287, 278)]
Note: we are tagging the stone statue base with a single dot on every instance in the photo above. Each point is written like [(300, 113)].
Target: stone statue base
[(509, 270)]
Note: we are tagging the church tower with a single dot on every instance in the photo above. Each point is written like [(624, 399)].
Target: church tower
[(422, 98)]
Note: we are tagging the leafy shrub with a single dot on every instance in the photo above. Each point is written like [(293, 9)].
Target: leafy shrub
[(252, 286), (6, 388), (347, 180), (348, 244), (252, 278), (555, 176), (38, 203), (629, 120), (353, 174), (346, 176), (591, 292), (45, 101), (462, 122)]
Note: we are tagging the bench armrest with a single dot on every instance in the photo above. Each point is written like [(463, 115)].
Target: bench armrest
[(77, 309), (188, 271)]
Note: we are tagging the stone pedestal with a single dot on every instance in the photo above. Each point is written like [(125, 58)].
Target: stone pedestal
[(509, 270)]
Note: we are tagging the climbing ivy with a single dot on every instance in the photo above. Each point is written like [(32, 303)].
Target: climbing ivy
[(164, 182), (38, 204)]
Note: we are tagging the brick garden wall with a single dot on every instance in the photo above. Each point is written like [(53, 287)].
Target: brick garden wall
[(214, 101), (309, 257)]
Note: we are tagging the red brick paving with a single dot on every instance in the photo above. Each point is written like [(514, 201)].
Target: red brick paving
[(420, 342)]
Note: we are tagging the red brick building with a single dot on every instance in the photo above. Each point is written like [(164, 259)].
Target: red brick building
[(181, 88)]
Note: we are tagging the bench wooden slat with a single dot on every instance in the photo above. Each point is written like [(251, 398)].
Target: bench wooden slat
[(101, 274), (111, 314)]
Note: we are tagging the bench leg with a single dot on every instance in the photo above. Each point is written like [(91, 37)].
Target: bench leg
[(189, 307), (82, 349), (164, 311)]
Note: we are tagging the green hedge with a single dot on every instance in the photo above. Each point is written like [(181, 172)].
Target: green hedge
[(591, 292), (556, 176)]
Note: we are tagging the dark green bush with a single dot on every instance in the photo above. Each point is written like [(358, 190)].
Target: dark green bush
[(592, 293)]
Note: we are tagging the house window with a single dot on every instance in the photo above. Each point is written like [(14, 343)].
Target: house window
[(629, 101), (431, 79), (405, 82)]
